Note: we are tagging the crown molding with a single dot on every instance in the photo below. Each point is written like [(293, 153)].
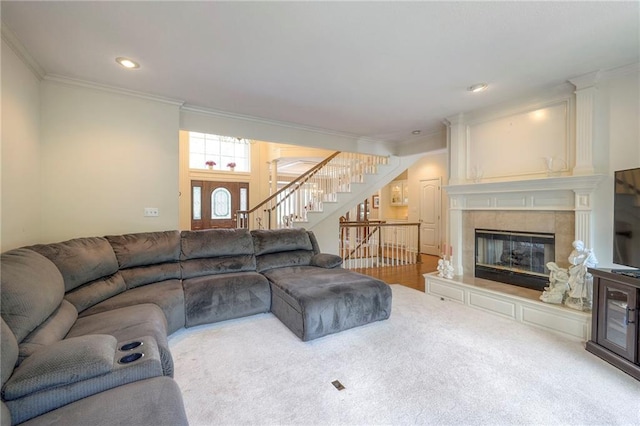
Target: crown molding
[(111, 89), (586, 80), (620, 71), (593, 78), (284, 124), (10, 38)]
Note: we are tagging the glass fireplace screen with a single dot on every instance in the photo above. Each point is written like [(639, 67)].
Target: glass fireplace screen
[(517, 258)]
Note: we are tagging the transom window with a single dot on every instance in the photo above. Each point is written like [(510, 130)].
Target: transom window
[(224, 151)]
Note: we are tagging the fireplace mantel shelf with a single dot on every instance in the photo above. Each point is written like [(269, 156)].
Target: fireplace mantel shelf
[(557, 183)]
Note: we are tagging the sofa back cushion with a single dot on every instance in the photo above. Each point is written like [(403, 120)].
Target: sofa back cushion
[(279, 248), (32, 289), (52, 330), (81, 260), (147, 257), (216, 251), (89, 268), (267, 241)]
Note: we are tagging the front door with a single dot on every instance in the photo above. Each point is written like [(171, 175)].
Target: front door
[(214, 204), (430, 216)]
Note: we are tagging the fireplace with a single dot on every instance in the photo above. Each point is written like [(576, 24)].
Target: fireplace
[(511, 257)]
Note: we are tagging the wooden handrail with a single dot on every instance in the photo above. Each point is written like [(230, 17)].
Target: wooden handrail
[(374, 223), (303, 177)]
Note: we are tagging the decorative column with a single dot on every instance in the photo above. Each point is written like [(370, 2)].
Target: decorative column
[(456, 236), (274, 177), (456, 142), (585, 113), (584, 217)]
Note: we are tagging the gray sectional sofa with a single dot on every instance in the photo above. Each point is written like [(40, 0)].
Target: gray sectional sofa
[(85, 321)]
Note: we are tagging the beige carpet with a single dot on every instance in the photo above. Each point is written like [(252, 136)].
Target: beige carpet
[(432, 362)]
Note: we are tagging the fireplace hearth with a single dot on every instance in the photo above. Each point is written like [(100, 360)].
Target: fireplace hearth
[(517, 258)]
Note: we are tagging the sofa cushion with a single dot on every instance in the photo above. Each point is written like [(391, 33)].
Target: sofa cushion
[(221, 297), (81, 260), (147, 257), (145, 248), (216, 251), (129, 323), (218, 265), (9, 352), (143, 275), (51, 331), (215, 243), (283, 259), (326, 260), (168, 295), (96, 291), (154, 401), (68, 361), (32, 289), (267, 241)]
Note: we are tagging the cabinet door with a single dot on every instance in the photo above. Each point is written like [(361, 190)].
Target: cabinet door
[(405, 193), (617, 319), (396, 193)]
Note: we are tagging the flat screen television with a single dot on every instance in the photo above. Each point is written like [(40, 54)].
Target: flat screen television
[(626, 218)]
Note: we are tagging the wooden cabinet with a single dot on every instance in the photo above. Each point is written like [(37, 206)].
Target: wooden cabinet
[(399, 193), (615, 334)]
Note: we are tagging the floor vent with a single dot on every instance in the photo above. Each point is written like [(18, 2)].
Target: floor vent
[(338, 385)]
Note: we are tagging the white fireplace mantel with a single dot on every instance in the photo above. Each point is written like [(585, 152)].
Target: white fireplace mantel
[(558, 193), (550, 193)]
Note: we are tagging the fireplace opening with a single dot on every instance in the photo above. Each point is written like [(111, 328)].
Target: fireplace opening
[(517, 258)]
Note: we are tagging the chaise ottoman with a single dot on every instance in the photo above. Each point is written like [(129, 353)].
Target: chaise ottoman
[(310, 292)]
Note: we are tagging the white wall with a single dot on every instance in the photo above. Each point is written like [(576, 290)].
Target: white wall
[(618, 131), (21, 157), (105, 157)]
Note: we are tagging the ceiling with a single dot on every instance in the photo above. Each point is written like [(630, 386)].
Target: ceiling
[(373, 69)]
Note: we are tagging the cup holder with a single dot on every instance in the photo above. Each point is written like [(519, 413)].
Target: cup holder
[(130, 345), (130, 358)]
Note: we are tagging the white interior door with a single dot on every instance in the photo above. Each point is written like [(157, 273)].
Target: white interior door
[(430, 216)]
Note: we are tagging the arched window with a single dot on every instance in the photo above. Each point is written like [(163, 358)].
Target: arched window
[(220, 204)]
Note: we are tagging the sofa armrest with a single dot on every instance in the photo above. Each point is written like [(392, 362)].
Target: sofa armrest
[(67, 361), (326, 260), (76, 368)]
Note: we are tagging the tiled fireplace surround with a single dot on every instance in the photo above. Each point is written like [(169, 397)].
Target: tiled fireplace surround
[(559, 223)]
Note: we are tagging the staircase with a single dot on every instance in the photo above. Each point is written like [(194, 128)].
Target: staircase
[(310, 197)]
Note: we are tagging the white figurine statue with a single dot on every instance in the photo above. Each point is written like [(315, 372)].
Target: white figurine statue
[(580, 280), (558, 284), (448, 269), (441, 268)]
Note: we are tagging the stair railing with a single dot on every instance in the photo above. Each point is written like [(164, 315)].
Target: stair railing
[(290, 205), (374, 244)]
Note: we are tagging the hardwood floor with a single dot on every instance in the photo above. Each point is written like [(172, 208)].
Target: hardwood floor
[(407, 275)]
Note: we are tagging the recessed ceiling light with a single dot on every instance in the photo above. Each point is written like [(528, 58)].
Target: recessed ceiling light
[(477, 87), (127, 63), (416, 132)]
